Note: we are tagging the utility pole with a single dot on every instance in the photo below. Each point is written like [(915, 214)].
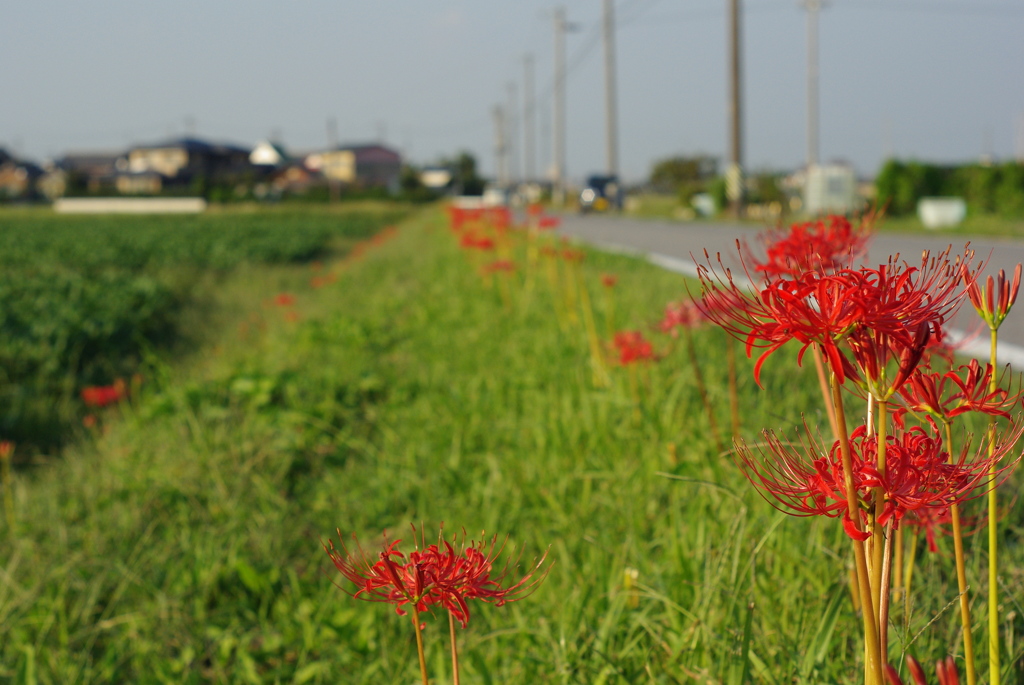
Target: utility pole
[(734, 172), (499, 146), (512, 126), (812, 7), (610, 100), (558, 134), (529, 114)]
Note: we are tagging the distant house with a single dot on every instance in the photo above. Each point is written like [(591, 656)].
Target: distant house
[(369, 165), (17, 177), (188, 158), (268, 154), (91, 171)]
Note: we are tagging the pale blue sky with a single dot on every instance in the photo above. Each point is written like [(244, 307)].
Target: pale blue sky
[(939, 80)]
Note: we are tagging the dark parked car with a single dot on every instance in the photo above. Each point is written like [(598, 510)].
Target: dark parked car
[(601, 194)]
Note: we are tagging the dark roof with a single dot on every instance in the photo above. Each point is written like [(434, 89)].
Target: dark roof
[(194, 145), (363, 147)]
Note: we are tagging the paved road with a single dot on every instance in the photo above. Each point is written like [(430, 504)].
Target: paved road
[(670, 244)]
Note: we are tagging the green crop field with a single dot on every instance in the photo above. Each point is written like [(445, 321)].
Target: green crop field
[(180, 539), (84, 298)]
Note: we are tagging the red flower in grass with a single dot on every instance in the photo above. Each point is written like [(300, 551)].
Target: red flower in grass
[(994, 300), (104, 395), (945, 396), (682, 314), (548, 223), (573, 256), (945, 671), (632, 347), (804, 480), (438, 574), (888, 306), (500, 266), (825, 245), (284, 300), (609, 280), (934, 522), (471, 241)]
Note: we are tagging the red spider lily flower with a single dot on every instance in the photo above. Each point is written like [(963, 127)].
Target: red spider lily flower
[(894, 300), (945, 671), (6, 449), (814, 309), (934, 522), (501, 265), (609, 280), (470, 241), (828, 244), (948, 395), (573, 256), (633, 347), (682, 314), (993, 302), (435, 575), (872, 352), (548, 251), (89, 421), (104, 395), (804, 480), (548, 223), (535, 209), (284, 300)]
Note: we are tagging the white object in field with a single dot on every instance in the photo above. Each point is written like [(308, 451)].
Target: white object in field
[(941, 212), (129, 205)]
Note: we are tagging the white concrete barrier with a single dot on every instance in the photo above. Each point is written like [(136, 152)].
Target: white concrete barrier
[(129, 205)]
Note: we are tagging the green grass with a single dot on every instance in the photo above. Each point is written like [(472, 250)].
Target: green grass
[(974, 225), (182, 542), (82, 298)]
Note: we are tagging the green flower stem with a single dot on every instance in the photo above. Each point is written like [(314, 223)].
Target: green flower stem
[(419, 644), (878, 539), (5, 474), (455, 651), (911, 558), (826, 395), (600, 373), (961, 578), (873, 662), (993, 538)]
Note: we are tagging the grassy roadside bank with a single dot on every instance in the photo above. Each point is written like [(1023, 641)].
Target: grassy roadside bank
[(183, 543)]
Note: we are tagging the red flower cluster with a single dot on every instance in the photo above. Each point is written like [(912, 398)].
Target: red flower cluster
[(609, 280), (919, 475), (944, 396), (434, 575), (883, 314), (104, 395), (632, 347), (472, 241), (284, 300), (501, 265), (993, 302), (682, 314), (829, 244)]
